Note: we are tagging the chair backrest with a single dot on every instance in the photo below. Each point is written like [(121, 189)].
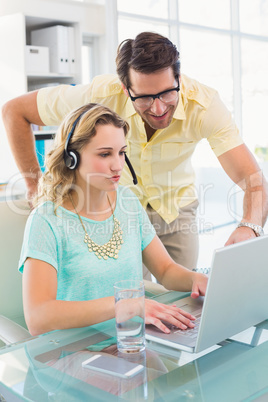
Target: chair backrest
[(13, 216)]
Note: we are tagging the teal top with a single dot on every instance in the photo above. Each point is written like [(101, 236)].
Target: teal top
[(59, 241)]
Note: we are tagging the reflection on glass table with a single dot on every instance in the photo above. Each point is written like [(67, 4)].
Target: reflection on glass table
[(50, 368)]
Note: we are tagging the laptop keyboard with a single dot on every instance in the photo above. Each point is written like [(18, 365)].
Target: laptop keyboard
[(190, 332)]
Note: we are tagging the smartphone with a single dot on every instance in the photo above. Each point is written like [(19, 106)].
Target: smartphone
[(112, 365)]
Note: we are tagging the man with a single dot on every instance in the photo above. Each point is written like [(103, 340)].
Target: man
[(168, 115)]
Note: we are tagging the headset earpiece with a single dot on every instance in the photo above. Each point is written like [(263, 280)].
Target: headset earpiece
[(71, 159)]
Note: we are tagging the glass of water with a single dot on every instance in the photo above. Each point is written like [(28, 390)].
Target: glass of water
[(129, 315)]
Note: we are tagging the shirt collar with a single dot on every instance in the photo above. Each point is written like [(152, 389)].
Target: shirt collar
[(129, 109), (179, 112)]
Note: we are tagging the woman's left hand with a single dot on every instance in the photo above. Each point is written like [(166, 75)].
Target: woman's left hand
[(199, 285), (156, 313)]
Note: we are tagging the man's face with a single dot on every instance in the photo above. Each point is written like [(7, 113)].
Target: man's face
[(159, 114)]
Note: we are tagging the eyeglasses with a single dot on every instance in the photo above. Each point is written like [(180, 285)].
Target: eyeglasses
[(147, 100)]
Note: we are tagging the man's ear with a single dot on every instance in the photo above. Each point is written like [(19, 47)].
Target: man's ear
[(124, 89)]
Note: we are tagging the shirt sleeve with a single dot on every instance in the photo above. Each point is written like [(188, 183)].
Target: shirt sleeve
[(39, 241), (218, 126), (54, 103)]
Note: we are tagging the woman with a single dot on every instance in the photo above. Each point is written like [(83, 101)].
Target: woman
[(87, 232)]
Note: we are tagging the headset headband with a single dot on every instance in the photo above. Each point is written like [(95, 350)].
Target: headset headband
[(71, 158)]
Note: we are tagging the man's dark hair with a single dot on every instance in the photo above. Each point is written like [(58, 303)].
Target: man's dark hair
[(147, 53)]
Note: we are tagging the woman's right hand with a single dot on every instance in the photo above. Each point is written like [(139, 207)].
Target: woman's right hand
[(156, 313)]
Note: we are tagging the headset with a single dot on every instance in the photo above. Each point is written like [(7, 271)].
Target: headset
[(72, 157)]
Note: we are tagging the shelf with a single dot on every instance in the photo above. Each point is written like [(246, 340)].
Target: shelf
[(41, 132), (16, 30), (48, 75), (44, 135)]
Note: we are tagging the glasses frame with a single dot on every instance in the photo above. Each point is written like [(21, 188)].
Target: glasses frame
[(156, 96)]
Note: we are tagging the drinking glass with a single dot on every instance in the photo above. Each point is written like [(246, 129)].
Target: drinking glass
[(129, 315)]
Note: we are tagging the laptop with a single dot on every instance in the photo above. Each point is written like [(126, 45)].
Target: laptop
[(236, 298)]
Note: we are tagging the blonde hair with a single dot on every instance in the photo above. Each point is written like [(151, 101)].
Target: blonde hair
[(56, 184)]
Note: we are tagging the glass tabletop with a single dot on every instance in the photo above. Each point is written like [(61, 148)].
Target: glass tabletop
[(49, 368)]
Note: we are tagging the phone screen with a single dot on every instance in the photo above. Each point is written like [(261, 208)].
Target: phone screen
[(112, 365)]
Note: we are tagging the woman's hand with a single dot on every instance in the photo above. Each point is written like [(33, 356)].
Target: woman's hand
[(125, 309), (199, 285), (156, 313)]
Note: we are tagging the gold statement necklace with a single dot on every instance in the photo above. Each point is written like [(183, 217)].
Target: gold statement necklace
[(107, 250)]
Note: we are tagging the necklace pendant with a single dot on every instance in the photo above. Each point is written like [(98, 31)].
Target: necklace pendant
[(112, 247)]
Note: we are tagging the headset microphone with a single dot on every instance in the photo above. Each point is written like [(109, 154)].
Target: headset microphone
[(132, 171)]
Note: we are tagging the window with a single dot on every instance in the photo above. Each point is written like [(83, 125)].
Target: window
[(209, 13), (222, 44), (151, 15), (150, 8), (206, 56), (254, 17), (90, 61), (254, 88), (130, 26)]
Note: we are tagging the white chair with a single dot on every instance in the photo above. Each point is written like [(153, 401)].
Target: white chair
[(13, 216)]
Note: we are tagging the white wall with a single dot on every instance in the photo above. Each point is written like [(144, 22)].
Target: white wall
[(90, 15), (12, 80)]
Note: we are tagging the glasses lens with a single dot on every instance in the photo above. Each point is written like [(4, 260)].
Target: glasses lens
[(169, 96), (144, 102)]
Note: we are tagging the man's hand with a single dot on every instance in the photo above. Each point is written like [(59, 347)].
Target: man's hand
[(242, 168), (240, 234)]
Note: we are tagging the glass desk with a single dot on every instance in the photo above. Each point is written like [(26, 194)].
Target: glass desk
[(49, 368)]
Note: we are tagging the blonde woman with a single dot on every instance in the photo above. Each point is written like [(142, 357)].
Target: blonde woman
[(87, 232)]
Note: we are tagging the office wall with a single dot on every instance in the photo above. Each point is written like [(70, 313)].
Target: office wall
[(90, 15)]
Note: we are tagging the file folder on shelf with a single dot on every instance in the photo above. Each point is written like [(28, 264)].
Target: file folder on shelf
[(60, 41), (71, 43)]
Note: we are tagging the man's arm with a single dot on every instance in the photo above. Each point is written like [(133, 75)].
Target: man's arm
[(18, 114), (242, 168)]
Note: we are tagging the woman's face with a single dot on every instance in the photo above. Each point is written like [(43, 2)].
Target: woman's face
[(102, 159)]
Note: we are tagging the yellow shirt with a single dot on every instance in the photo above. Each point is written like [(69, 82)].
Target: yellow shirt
[(163, 165)]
